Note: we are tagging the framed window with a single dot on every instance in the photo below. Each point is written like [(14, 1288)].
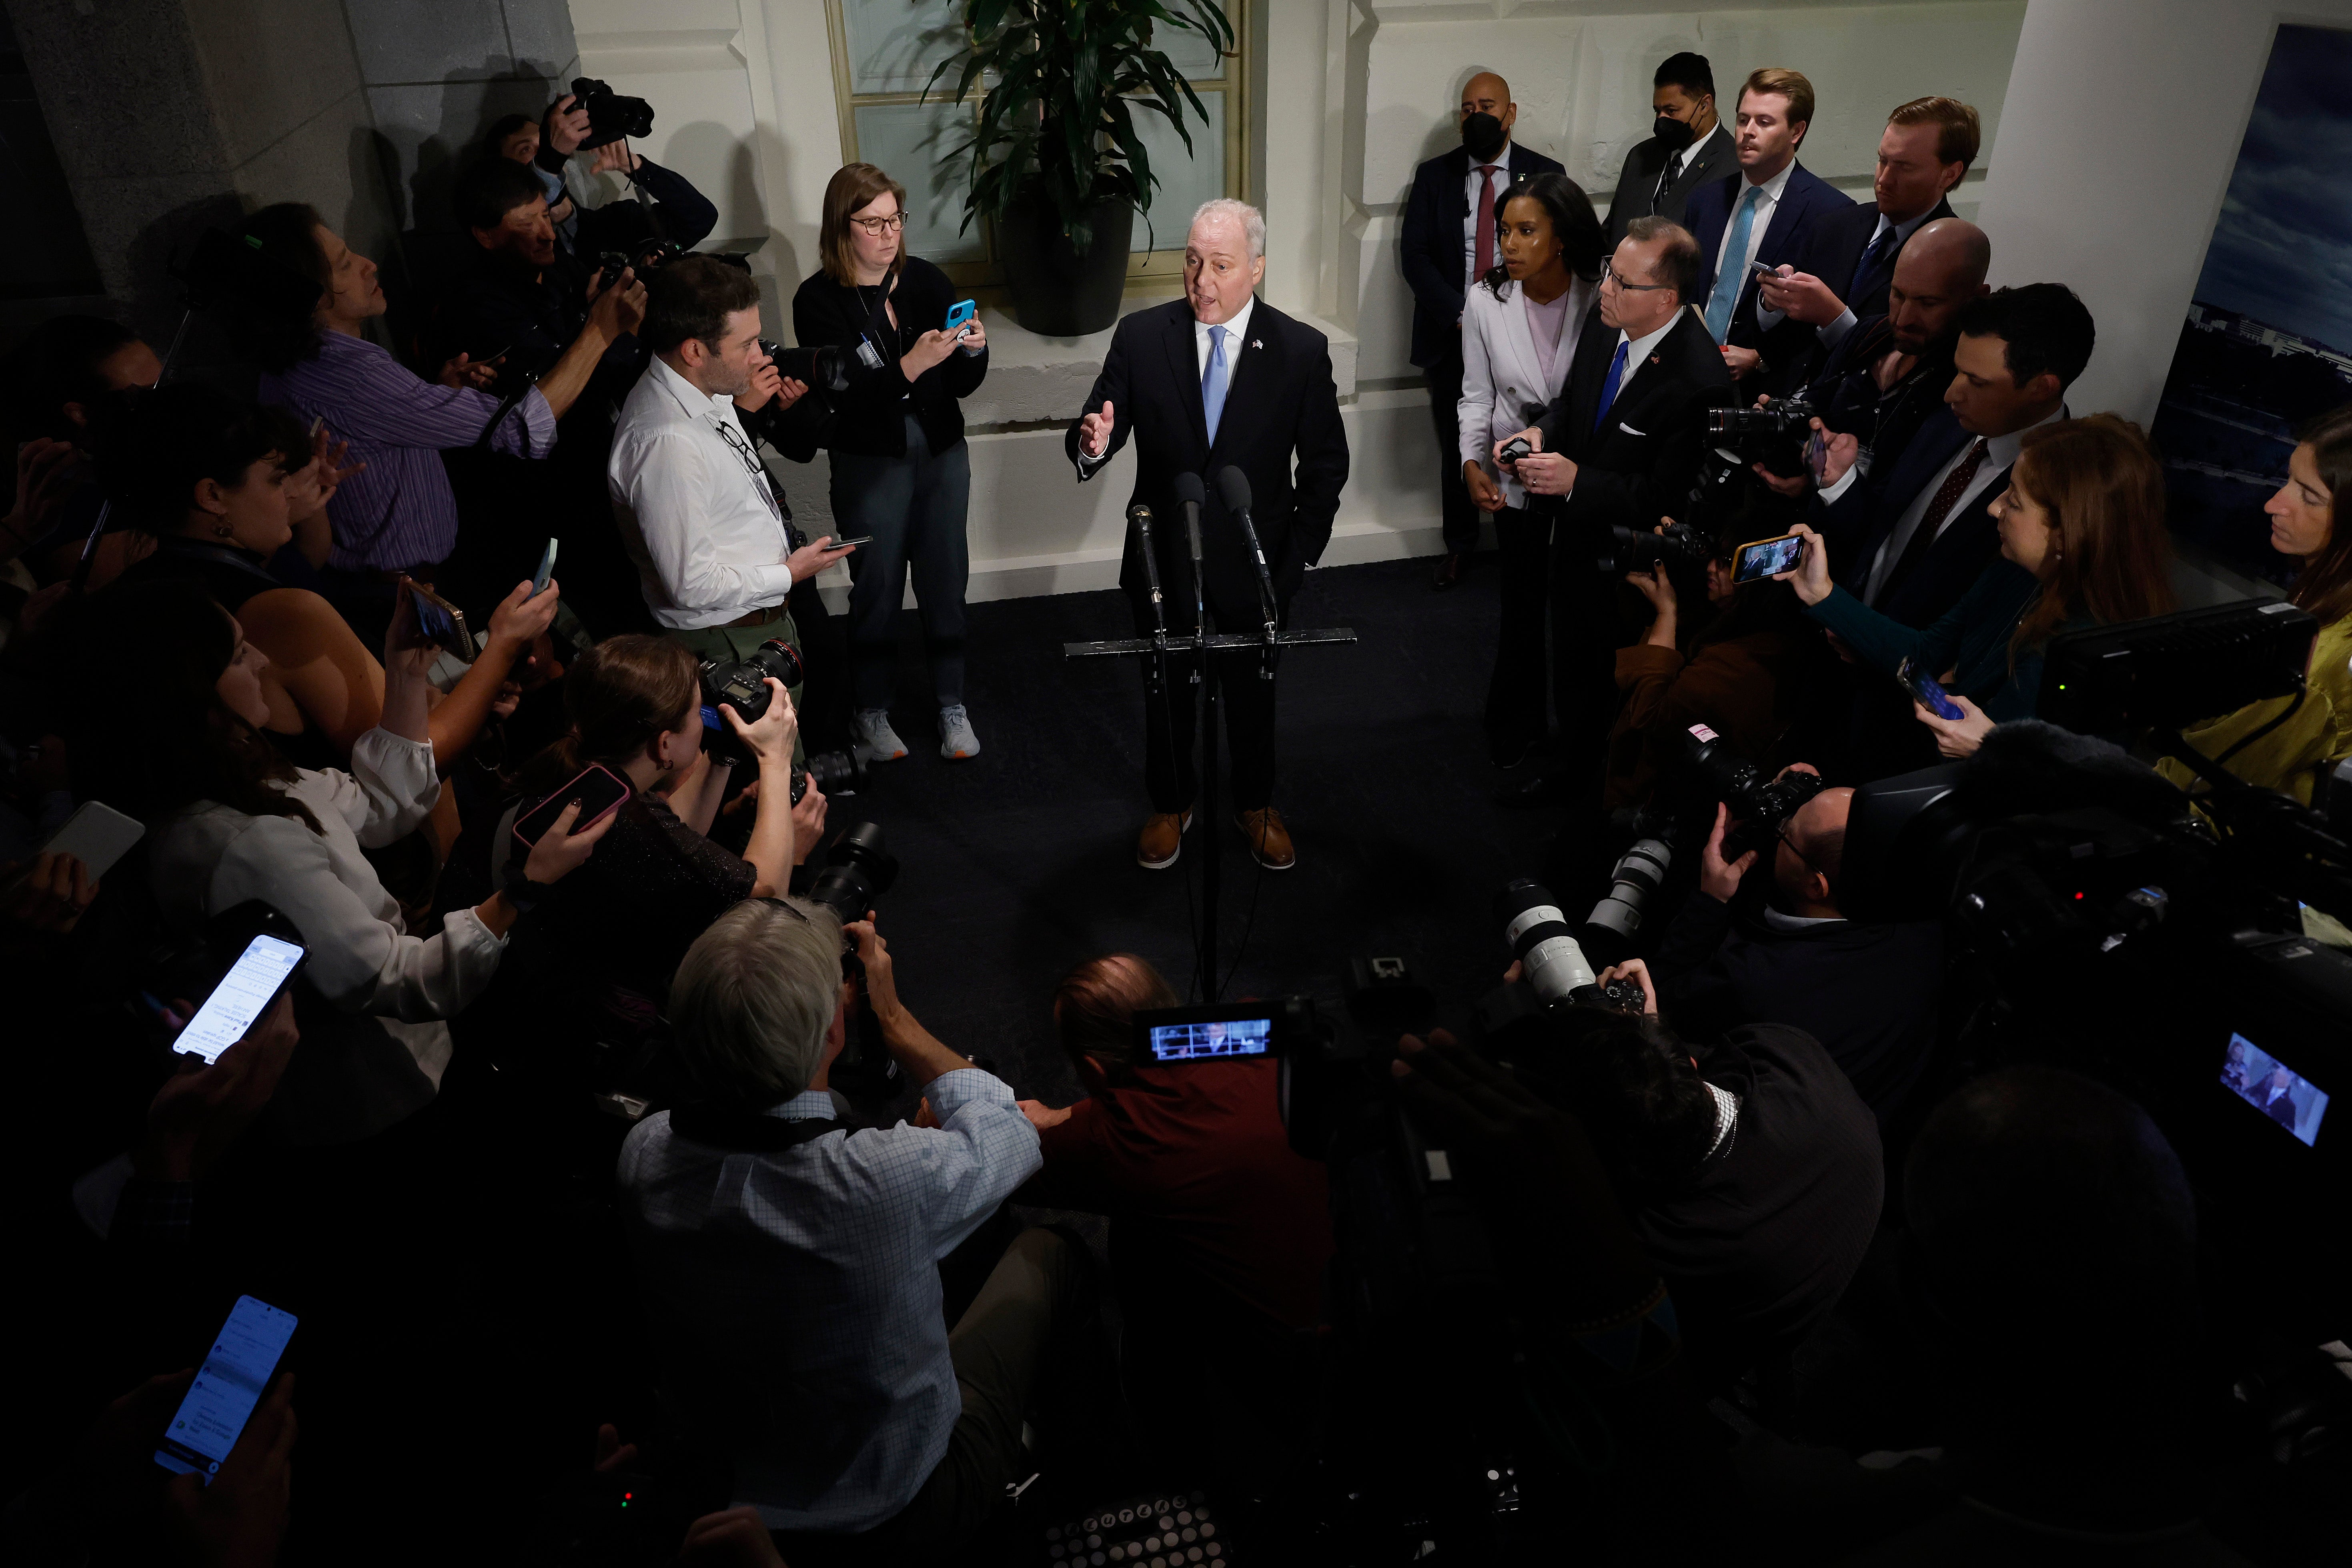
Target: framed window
[(884, 50)]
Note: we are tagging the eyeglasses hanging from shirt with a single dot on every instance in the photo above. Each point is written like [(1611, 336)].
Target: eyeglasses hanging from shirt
[(761, 482)]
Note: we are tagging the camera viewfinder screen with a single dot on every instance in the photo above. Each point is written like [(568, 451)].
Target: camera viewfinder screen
[(1201, 1042), (1767, 556), (2274, 1089)]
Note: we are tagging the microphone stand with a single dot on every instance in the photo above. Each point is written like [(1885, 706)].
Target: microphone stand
[(1205, 673), (1155, 669)]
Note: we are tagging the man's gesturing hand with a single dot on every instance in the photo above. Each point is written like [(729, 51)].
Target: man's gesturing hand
[(1093, 432)]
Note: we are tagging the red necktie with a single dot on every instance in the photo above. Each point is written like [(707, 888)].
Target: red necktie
[(1486, 242), (1931, 522)]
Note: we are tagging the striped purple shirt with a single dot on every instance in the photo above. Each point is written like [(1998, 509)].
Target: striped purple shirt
[(399, 511)]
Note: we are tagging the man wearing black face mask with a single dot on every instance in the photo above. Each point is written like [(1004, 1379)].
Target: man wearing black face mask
[(1688, 147), (1449, 242)]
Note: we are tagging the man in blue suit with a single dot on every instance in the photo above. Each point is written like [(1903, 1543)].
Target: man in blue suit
[(1448, 242), (1766, 217)]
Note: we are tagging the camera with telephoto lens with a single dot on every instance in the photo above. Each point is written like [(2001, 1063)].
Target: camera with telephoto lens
[(611, 117), (1552, 963), (1678, 544), (819, 368), (859, 870), (1763, 435), (1758, 801)]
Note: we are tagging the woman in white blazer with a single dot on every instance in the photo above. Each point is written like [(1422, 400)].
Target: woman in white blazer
[(1519, 331), (230, 822)]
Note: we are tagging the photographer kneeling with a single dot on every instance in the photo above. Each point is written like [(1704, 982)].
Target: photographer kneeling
[(1867, 993), (789, 1263)]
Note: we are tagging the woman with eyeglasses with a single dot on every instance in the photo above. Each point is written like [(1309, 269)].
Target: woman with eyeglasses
[(901, 472)]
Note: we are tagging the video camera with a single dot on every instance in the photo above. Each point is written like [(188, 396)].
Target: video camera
[(1699, 773), (743, 685), (611, 117)]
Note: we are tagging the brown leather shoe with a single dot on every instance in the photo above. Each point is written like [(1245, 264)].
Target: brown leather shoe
[(1161, 840), (1269, 840)]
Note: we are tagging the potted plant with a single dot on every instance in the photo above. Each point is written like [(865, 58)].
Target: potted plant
[(1056, 163)]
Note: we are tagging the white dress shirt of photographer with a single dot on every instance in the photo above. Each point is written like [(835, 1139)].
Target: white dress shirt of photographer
[(697, 512)]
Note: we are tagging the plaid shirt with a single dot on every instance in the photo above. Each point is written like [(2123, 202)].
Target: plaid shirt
[(795, 1294), (399, 511)]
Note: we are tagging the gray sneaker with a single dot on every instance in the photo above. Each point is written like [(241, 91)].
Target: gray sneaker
[(956, 740), (874, 737)]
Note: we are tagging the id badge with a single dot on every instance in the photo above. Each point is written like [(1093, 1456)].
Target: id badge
[(868, 356)]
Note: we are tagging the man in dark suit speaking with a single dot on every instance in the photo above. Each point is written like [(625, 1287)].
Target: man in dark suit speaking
[(1214, 380), (1620, 447)]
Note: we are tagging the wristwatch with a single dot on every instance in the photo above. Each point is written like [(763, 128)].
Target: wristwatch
[(521, 891)]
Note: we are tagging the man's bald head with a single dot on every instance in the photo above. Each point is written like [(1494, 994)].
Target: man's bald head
[(1487, 93), (1940, 270), (1806, 863)]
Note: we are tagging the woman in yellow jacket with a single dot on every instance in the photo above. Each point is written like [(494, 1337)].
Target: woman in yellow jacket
[(2311, 519)]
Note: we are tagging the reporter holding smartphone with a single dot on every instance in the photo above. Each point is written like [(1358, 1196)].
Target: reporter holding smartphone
[(2082, 543), (901, 472), (230, 822), (615, 933)]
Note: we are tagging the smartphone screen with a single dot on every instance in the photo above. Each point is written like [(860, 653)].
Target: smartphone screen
[(1768, 556), (434, 624), (598, 792), (252, 984), (2274, 1089), (1198, 1041), (546, 570), (1929, 692), (227, 1386)]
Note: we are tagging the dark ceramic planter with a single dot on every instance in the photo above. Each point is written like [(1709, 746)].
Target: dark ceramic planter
[(1058, 293)]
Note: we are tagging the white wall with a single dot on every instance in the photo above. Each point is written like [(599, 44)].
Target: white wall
[(1351, 95), (2098, 208)]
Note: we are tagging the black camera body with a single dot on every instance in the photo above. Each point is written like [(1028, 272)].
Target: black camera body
[(819, 368), (1676, 546), (1758, 801), (1762, 435), (611, 117), (743, 685)]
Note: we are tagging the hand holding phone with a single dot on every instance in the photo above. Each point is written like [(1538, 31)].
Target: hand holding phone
[(959, 317), (1927, 692), (546, 570), (1768, 557), (597, 790), (219, 1402), (250, 988)]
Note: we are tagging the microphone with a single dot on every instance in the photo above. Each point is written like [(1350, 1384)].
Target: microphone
[(1141, 515), (1191, 495), (1233, 489)]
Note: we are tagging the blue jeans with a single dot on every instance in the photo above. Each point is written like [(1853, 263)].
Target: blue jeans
[(914, 508)]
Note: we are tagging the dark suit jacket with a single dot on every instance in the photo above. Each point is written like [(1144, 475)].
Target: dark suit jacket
[(1280, 400), (2280, 1111), (1431, 244), (1863, 517), (1648, 160), (1805, 202), (1640, 464), (1835, 247)]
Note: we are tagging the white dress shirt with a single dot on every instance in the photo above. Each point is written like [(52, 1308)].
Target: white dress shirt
[(1765, 208), (2000, 453), (695, 510), (794, 1294), (1470, 184), (375, 1053)]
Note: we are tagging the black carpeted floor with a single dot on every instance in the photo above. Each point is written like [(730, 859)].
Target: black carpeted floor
[(1021, 862)]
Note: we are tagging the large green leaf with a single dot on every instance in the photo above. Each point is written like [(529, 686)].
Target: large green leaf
[(1056, 118)]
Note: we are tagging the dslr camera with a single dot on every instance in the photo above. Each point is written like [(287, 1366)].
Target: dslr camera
[(1762, 435), (743, 685), (819, 368), (1677, 546), (611, 117)]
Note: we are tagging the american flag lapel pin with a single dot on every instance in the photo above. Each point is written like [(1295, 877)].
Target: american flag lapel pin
[(1257, 342)]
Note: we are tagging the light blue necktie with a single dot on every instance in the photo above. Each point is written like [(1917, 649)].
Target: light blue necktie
[(1733, 273), (1609, 388), (1213, 381)]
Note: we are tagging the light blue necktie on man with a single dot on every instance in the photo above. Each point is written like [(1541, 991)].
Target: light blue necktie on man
[(1609, 388), (1213, 381), (1733, 273)]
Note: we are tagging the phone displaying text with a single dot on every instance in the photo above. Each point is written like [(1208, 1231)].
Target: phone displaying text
[(2274, 1089), (227, 1386), (245, 994), (1766, 557)]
